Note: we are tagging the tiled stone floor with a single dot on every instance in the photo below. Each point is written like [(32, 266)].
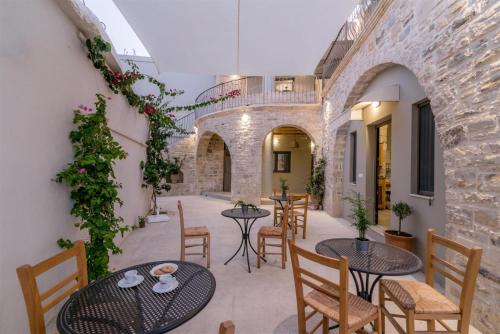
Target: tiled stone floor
[(262, 302)]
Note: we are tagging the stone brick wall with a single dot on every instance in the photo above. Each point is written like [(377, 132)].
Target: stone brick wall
[(210, 162), (243, 130), (452, 48)]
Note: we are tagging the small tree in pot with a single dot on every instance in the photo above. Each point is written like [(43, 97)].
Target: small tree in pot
[(359, 214), (316, 185), (397, 237)]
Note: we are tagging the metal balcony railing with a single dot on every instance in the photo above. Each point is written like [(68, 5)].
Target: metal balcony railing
[(253, 91), (185, 123), (346, 37)]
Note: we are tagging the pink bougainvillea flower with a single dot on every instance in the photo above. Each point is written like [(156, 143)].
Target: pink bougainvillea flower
[(81, 170), (234, 93), (149, 109), (109, 97)]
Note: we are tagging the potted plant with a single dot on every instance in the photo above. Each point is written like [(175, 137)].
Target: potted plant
[(359, 214), (244, 206), (174, 169), (316, 184), (142, 221), (397, 237), (283, 186)]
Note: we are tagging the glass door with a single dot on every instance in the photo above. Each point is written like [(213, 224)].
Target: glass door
[(383, 176)]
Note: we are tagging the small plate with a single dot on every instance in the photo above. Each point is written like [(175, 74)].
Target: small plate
[(173, 265), (123, 284), (163, 288)]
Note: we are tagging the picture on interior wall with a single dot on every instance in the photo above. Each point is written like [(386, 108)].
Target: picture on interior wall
[(282, 161)]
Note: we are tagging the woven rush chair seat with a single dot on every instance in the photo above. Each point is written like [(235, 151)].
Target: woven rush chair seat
[(270, 231), (418, 296), (422, 302), (196, 231), (360, 311)]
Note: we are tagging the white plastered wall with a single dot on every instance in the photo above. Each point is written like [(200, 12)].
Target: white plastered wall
[(45, 74)]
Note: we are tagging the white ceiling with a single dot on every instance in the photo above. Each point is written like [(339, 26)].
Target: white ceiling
[(203, 36)]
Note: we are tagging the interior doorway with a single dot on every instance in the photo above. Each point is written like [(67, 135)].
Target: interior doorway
[(383, 176), (226, 182), (287, 153)]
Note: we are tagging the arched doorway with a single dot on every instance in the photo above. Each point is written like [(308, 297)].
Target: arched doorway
[(213, 164), (287, 153), (389, 152)]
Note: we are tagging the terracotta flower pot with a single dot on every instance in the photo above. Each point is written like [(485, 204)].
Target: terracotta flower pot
[(315, 201), (404, 240)]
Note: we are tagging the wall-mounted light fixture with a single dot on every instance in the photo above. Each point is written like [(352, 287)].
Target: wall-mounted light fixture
[(245, 118), (312, 146), (376, 104)]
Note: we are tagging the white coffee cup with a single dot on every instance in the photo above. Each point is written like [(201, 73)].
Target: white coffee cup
[(166, 279), (131, 276)]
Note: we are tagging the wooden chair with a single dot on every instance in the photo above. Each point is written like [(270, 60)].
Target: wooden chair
[(330, 299), (34, 300), (274, 233), (298, 212), (227, 327), (420, 301), (199, 232)]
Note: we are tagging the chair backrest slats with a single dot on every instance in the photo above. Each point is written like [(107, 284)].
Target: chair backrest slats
[(53, 302), (448, 275), (446, 264), (53, 261), (342, 286), (467, 279), (320, 288), (27, 275), (59, 285), (306, 272)]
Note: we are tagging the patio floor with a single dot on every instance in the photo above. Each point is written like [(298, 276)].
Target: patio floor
[(261, 302)]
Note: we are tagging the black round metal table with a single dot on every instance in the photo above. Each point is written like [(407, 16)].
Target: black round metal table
[(280, 199), (380, 260), (249, 217), (103, 307)]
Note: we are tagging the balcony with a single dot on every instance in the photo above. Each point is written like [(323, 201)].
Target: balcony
[(261, 90), (253, 90), (348, 34)]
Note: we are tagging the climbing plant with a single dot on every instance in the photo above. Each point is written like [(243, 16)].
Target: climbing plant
[(159, 113), (94, 189), (90, 176)]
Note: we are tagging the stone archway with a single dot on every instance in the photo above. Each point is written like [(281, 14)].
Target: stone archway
[(244, 130), (291, 146), (213, 171)]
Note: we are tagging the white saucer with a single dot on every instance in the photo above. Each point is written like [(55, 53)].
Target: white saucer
[(123, 283), (162, 288), (173, 265)]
